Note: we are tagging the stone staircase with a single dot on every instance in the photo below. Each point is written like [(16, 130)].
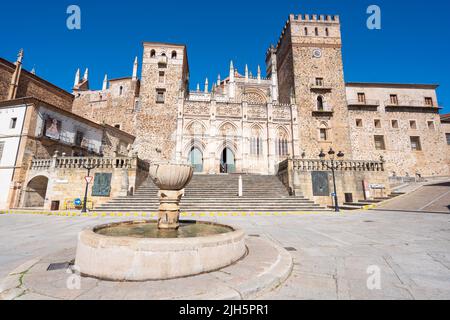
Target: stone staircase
[(218, 193), (362, 203)]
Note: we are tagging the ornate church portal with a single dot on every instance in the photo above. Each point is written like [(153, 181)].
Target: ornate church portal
[(227, 161)]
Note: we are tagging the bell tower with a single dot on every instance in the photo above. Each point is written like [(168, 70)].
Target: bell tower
[(310, 70), (164, 83)]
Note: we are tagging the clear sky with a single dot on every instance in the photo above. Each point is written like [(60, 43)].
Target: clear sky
[(412, 46)]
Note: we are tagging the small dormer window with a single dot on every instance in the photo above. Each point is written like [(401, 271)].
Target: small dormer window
[(174, 54)]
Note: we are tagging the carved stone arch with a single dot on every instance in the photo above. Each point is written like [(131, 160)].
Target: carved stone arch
[(256, 130), (282, 132), (227, 144), (195, 128), (323, 125), (194, 153), (228, 129), (194, 143), (254, 96)]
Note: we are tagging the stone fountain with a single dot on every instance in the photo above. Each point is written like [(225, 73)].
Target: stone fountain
[(165, 249), (171, 180)]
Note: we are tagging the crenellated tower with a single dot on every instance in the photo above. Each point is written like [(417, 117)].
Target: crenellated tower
[(310, 72)]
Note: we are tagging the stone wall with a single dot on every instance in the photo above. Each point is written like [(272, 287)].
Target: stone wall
[(34, 145), (115, 106), (377, 117), (31, 85), (446, 131), (66, 178), (363, 179)]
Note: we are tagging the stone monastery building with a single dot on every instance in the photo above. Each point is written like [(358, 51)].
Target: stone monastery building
[(250, 123), (275, 124)]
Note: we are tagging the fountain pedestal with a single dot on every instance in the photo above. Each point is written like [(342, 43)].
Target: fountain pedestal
[(169, 209)]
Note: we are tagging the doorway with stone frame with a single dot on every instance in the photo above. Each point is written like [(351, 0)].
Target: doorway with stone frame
[(227, 161)]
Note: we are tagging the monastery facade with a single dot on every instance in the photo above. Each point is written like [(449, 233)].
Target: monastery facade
[(250, 123)]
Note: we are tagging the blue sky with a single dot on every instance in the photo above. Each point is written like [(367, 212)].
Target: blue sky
[(412, 46)]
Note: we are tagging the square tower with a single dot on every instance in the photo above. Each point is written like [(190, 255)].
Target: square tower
[(164, 83), (310, 72)]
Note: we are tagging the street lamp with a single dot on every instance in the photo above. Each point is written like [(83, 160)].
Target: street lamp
[(334, 166), (88, 167)]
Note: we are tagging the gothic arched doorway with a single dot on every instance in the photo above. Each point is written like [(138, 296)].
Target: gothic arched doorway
[(227, 161), (196, 159), (35, 192)]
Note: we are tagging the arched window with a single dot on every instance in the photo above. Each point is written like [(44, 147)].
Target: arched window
[(152, 54), (327, 32), (174, 54), (256, 143), (316, 31), (323, 131), (163, 54), (120, 90), (306, 31), (281, 143), (319, 103)]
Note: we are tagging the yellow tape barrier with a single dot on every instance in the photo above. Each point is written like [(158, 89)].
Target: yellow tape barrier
[(154, 214)]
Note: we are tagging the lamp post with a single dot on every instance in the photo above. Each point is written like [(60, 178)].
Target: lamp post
[(334, 166), (88, 167)]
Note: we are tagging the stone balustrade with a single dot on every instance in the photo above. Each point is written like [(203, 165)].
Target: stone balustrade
[(298, 176), (41, 164), (339, 165), (97, 162)]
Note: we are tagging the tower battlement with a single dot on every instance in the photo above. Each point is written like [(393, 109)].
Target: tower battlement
[(311, 28), (315, 18)]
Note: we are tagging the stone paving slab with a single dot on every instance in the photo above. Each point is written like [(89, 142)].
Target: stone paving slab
[(411, 249), (265, 267), (431, 198)]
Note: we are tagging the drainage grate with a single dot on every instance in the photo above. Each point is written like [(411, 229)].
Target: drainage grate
[(58, 266), (254, 235), (290, 249), (369, 221)]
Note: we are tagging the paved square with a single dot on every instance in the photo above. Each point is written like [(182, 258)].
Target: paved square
[(331, 258)]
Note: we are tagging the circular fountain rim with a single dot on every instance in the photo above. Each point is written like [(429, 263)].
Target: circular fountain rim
[(161, 244), (129, 258), (96, 228)]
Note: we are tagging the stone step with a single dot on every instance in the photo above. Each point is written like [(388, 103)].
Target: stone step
[(219, 193)]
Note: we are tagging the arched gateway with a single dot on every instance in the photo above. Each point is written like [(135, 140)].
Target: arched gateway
[(35, 192), (196, 159), (227, 161)]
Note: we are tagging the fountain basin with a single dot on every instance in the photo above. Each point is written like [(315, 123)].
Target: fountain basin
[(138, 258), (171, 176)]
